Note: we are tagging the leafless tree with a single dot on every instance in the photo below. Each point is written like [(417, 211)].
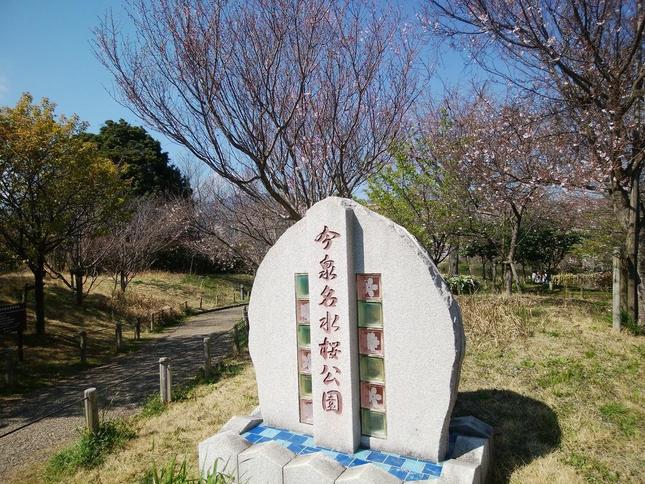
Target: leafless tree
[(154, 226), (289, 100), (78, 262), (228, 226), (586, 57)]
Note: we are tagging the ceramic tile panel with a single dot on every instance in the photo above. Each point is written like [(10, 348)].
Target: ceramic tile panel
[(373, 396), (369, 295), (370, 314), (370, 341), (303, 340), (368, 287)]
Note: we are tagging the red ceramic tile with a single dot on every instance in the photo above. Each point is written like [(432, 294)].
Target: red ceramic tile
[(372, 396), (306, 411), (302, 311), (368, 287), (304, 361), (370, 341)]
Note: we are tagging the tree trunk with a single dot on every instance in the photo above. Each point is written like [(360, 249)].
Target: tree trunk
[(78, 287), (631, 250), (508, 279), (641, 279), (510, 272), (38, 270), (123, 281), (471, 268), (493, 272), (453, 261)]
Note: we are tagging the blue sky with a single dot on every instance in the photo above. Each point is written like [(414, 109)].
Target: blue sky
[(45, 49)]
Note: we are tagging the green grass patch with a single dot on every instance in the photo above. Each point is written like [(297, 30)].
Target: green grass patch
[(89, 451), (621, 416), (562, 371), (177, 473), (593, 470)]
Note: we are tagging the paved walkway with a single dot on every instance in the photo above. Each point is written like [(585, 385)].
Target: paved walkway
[(182, 344)]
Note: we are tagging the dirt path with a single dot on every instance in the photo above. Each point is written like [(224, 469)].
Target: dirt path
[(182, 344)]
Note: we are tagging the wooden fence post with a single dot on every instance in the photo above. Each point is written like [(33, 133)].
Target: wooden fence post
[(241, 292), (207, 355), (163, 379), (118, 334), (9, 368), (236, 340), (82, 344), (152, 322), (169, 383), (137, 329), (91, 410), (615, 313), (201, 301), (216, 300), (246, 319), (186, 306)]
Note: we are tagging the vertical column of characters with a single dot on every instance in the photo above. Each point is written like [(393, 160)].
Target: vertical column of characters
[(303, 335), (370, 346)]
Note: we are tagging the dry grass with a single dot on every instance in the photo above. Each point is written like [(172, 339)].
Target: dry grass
[(173, 433), (567, 401), (56, 354), (564, 394)]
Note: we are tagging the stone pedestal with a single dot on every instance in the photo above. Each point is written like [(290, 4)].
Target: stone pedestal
[(270, 462)]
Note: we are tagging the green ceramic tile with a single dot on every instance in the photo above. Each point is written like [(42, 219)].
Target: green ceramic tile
[(373, 424), (305, 385), (304, 335), (370, 314), (302, 285), (372, 369)]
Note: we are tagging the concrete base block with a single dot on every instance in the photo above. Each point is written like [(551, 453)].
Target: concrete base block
[(367, 474), (470, 426), (263, 463), (458, 472), (220, 452), (239, 425), (313, 468)]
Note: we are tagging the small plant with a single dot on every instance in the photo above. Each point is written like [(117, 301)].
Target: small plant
[(152, 406), (176, 473), (90, 450), (463, 284)]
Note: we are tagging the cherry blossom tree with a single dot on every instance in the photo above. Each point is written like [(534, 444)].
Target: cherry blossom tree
[(586, 58), (289, 100), (511, 162)]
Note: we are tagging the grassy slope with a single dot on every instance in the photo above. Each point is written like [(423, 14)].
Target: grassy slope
[(564, 394), (56, 354)]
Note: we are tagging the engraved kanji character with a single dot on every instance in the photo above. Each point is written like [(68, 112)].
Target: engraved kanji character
[(328, 298), (329, 378), (329, 349), (329, 322), (326, 236), (328, 268), (332, 401)]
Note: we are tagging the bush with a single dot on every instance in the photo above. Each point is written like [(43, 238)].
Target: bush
[(595, 280), (463, 284), (89, 451)]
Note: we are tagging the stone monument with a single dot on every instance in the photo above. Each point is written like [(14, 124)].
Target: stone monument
[(357, 345)]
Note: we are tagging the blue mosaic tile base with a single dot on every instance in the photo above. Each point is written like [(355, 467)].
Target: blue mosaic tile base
[(404, 468)]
